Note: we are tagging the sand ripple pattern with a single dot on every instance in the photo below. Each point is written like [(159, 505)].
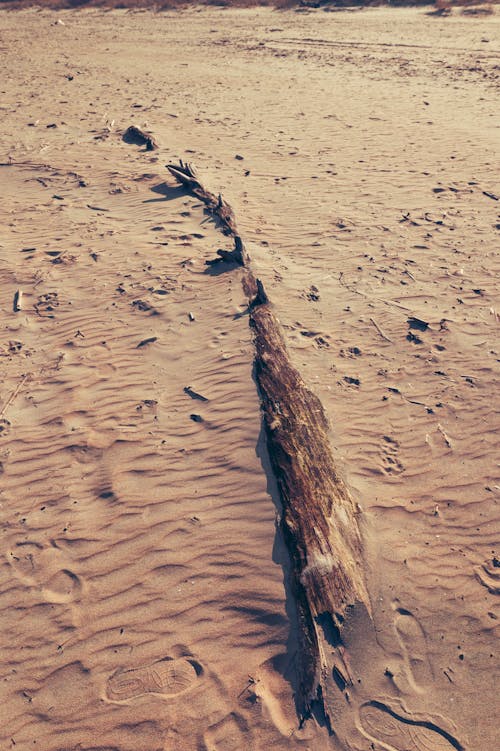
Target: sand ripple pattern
[(139, 529), (132, 533)]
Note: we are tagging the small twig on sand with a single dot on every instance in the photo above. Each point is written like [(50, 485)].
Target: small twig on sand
[(490, 195), (445, 436), (96, 208), (369, 297), (18, 301), (149, 340), (251, 682), (380, 331), (14, 394), (194, 394)]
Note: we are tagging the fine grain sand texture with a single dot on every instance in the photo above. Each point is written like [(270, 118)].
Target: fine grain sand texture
[(145, 600)]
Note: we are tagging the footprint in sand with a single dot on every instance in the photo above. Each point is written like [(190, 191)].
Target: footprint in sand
[(46, 569), (411, 637), (230, 734), (84, 454), (66, 692), (390, 461), (393, 731), (168, 677), (64, 586), (319, 339), (4, 427), (268, 689), (272, 692), (489, 575)]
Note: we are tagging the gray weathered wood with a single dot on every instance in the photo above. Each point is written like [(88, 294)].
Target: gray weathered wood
[(319, 517)]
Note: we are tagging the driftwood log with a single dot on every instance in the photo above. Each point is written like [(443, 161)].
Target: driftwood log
[(319, 517)]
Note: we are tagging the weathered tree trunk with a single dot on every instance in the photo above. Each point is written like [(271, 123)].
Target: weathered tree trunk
[(319, 517)]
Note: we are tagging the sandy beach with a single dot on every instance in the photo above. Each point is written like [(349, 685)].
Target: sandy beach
[(145, 599)]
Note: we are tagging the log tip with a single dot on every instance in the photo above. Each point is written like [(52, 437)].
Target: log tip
[(184, 172)]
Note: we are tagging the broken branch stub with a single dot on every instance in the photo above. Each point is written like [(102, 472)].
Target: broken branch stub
[(222, 211), (319, 517)]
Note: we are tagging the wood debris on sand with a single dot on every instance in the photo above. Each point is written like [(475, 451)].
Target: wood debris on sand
[(133, 134), (319, 517)]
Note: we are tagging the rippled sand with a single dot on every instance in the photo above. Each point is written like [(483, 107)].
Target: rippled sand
[(143, 594)]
